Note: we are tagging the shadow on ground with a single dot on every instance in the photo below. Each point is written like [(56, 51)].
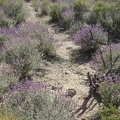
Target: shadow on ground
[(80, 57), (89, 103)]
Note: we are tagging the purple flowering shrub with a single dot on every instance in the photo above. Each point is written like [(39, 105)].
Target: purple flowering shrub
[(21, 54), (90, 37), (12, 11), (41, 34), (25, 46), (35, 100)]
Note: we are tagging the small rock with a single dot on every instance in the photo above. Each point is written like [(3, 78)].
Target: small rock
[(56, 88), (68, 48), (85, 78), (67, 72), (83, 119), (70, 92)]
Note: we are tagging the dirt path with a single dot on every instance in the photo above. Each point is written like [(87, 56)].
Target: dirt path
[(65, 73)]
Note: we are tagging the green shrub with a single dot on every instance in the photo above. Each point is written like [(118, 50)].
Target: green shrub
[(110, 93), (67, 19), (79, 8), (45, 7), (6, 81), (4, 21), (108, 16), (13, 12), (2, 39), (76, 25), (109, 113), (55, 12)]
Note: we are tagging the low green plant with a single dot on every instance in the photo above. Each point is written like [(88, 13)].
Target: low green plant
[(110, 93), (8, 115), (109, 113)]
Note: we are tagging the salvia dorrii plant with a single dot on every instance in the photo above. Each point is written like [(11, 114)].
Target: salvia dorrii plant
[(34, 100), (90, 37), (25, 46)]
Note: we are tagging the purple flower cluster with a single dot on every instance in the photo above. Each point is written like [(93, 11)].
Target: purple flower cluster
[(89, 37), (27, 86), (25, 32), (10, 30), (110, 78)]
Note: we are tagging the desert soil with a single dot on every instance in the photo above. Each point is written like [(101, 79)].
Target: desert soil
[(69, 71)]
